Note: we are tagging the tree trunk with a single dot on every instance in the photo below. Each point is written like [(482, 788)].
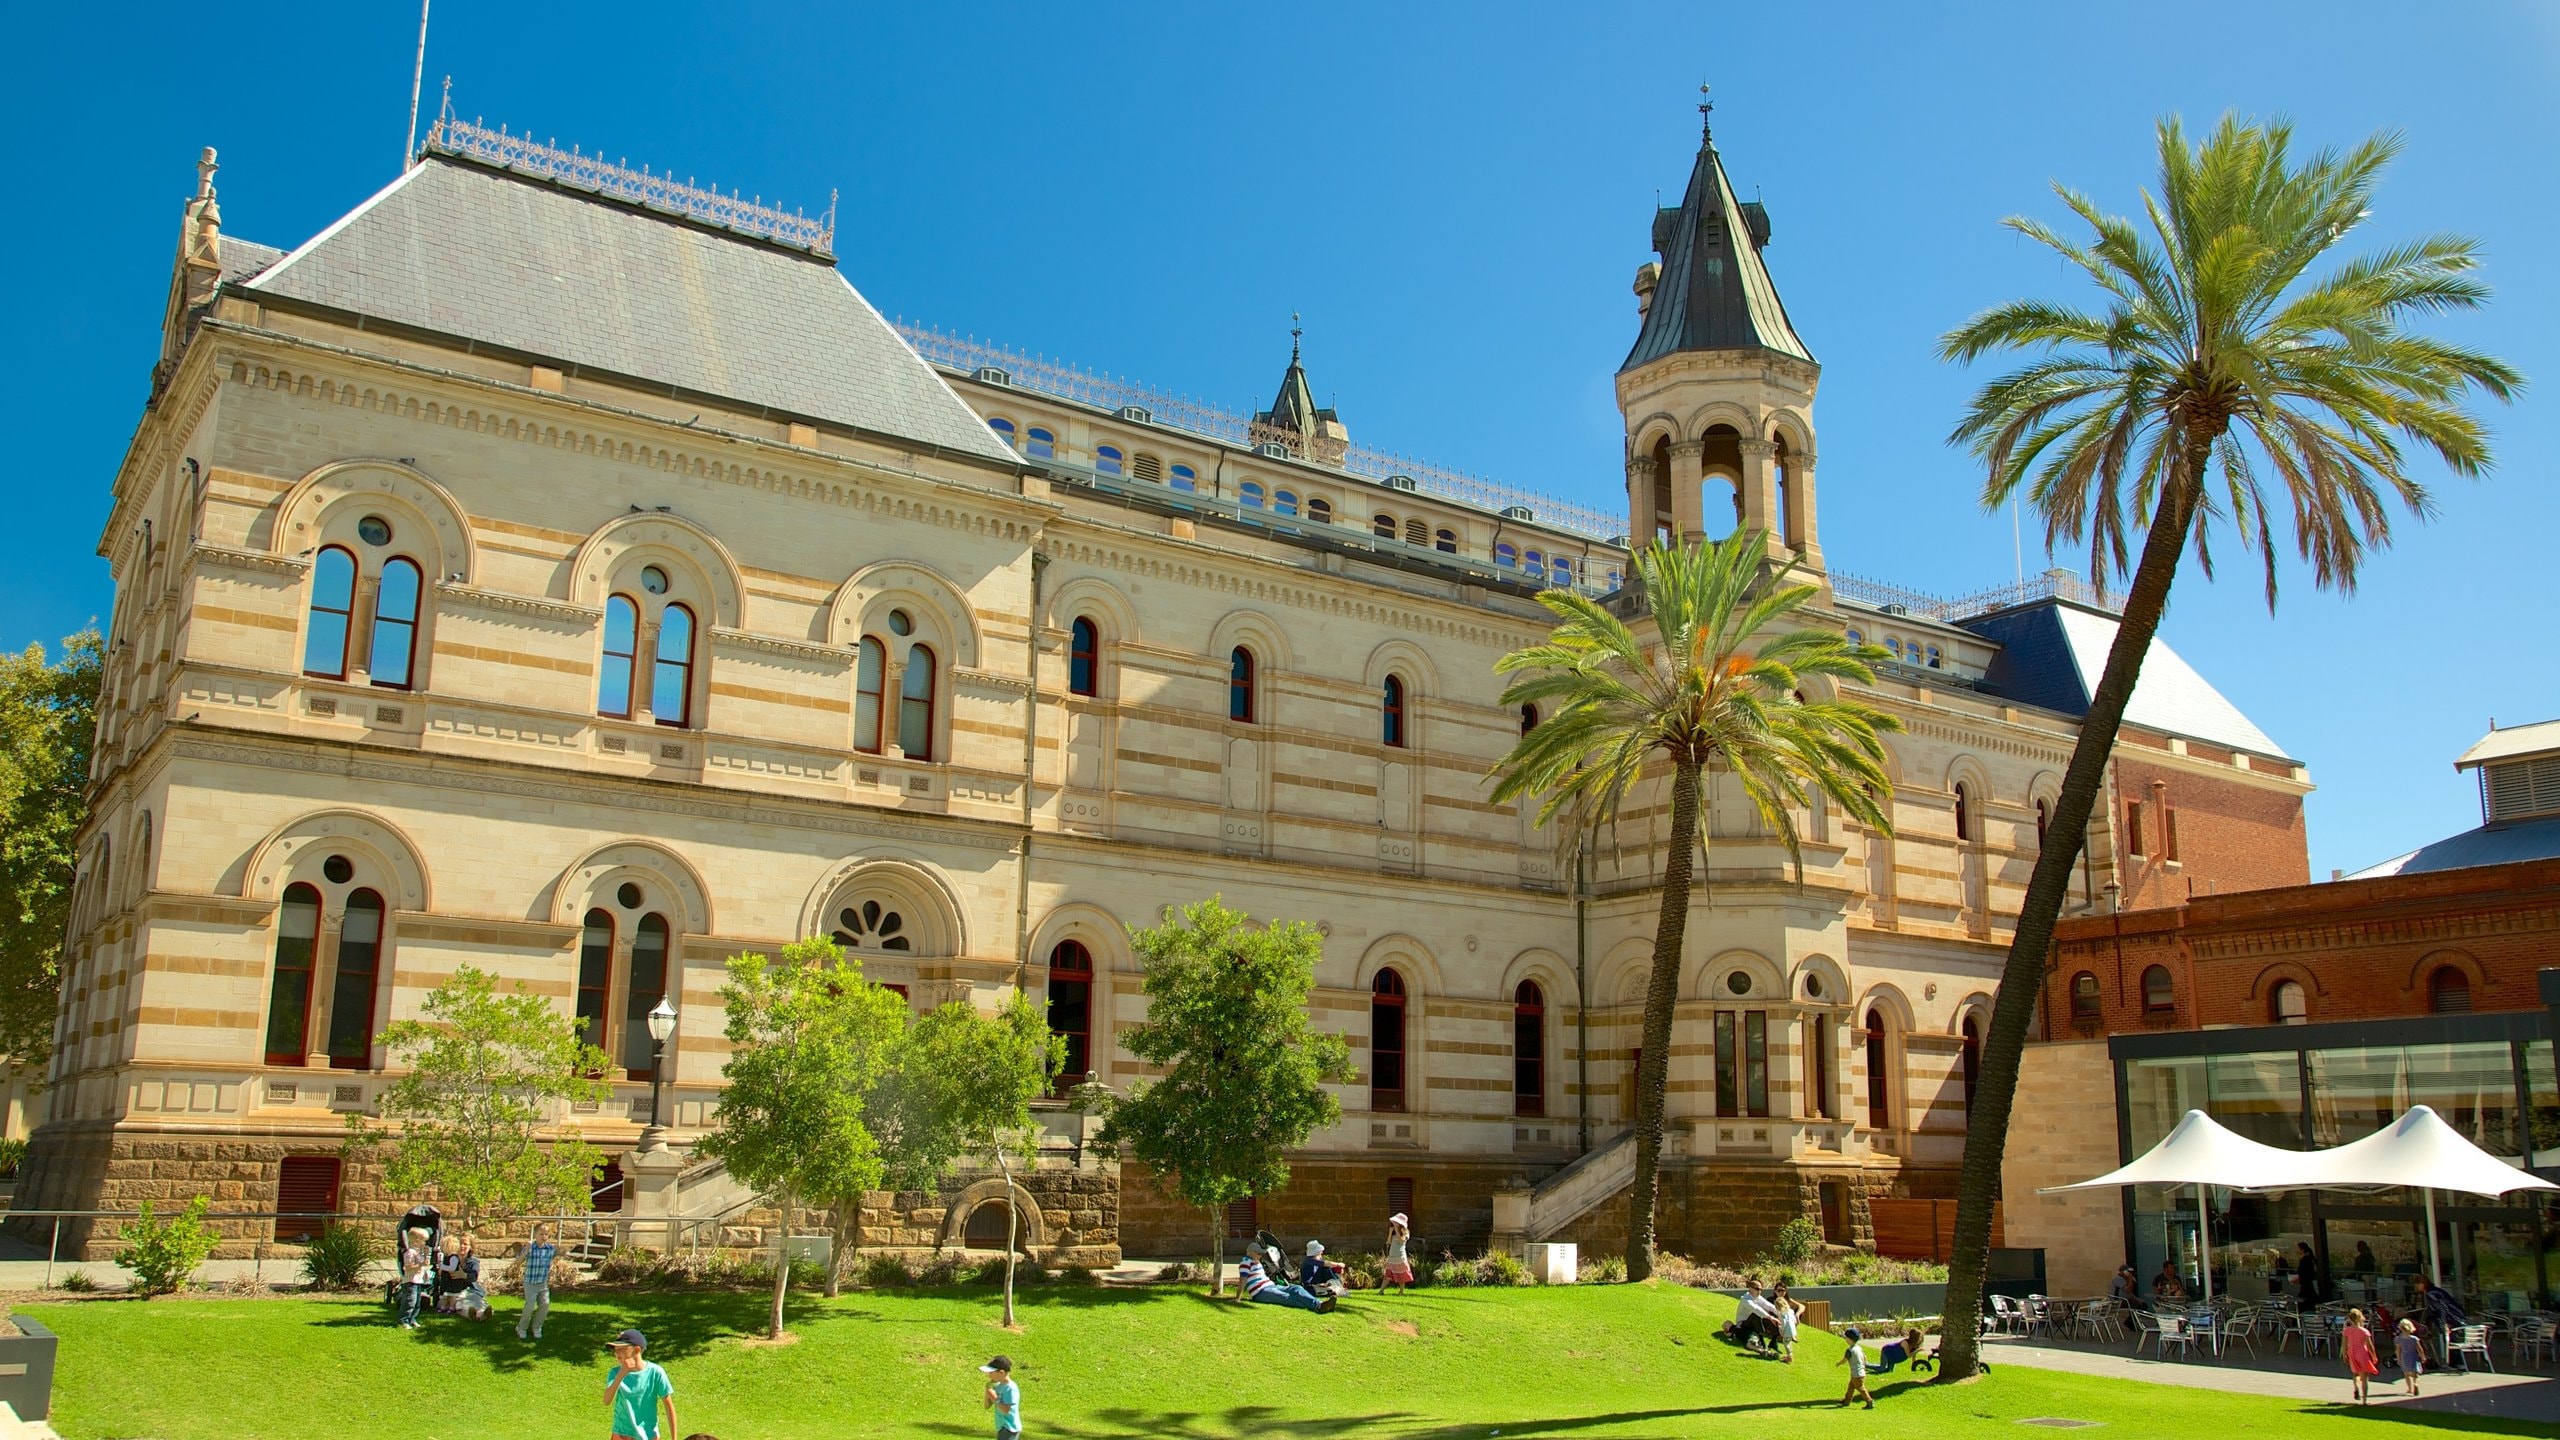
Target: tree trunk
[(1661, 994), (2022, 976), (1217, 1247), (1012, 1232), (781, 1263)]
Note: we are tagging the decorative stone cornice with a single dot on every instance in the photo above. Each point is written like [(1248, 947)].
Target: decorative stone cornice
[(537, 605), (1238, 580), (777, 645), (253, 561), (991, 681)]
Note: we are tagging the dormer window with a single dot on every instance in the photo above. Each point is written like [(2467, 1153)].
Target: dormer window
[(2515, 789)]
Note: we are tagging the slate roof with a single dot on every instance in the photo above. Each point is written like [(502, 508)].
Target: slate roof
[(2052, 653), (1294, 408), (242, 260), (1714, 292), (2512, 743), (2497, 843), (479, 254)]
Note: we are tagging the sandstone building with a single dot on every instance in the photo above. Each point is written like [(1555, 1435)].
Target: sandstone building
[(546, 572)]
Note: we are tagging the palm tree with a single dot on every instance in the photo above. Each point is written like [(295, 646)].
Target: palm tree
[(1705, 691), (2214, 382)]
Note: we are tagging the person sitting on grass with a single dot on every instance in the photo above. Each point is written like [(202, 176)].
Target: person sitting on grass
[(1755, 1321), (1855, 1357), (1317, 1275), (1258, 1287)]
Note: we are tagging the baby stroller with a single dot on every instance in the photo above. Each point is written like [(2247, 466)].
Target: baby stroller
[(1276, 1257), (423, 1217)]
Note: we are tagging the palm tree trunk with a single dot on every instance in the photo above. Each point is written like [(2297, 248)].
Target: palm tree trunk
[(1661, 995), (2022, 976)]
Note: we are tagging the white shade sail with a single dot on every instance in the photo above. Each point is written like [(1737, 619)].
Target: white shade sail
[(2201, 1152), (2418, 1150)]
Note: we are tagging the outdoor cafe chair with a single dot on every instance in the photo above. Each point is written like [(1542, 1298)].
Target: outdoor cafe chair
[(2146, 1326), (2005, 1315), (2321, 1332), (2204, 1327), (2472, 1340), (2178, 1330), (2098, 1318), (2036, 1314), (2529, 1338), (2241, 1327)]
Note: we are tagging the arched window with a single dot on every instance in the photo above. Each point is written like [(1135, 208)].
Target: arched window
[(1446, 542), (2159, 992), (1528, 718), (1386, 1042), (1042, 445), (647, 987), (2448, 992), (289, 993), (989, 1227), (1964, 811), (1391, 712), (1879, 1085), (1071, 1012), (2044, 817), (1617, 579), (621, 646), (2289, 1004), (1933, 657), (1383, 525), (1563, 569), (1107, 460), (1319, 509), (1856, 639), (1535, 562), (1528, 1050), (333, 609), (595, 976), (870, 672), (351, 996), (2084, 998), (1003, 429), (671, 678), (1506, 554), (1185, 478), (1240, 685), (915, 704), (1972, 1037), (1084, 657), (1893, 646), (1249, 494), (395, 625), (1284, 502)]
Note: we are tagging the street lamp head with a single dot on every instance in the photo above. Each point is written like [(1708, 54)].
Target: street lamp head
[(662, 1021)]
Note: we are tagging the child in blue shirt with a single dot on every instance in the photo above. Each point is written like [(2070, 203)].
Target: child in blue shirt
[(1004, 1398)]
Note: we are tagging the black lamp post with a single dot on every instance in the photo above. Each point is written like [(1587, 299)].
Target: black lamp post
[(662, 1028)]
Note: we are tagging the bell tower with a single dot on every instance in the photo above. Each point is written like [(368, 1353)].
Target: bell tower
[(1718, 391)]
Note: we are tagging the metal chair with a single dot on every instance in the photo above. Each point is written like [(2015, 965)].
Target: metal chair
[(2146, 1326), (2178, 1330), (2204, 1328), (2321, 1332), (2470, 1340), (2531, 1339), (2005, 1315), (2241, 1326)]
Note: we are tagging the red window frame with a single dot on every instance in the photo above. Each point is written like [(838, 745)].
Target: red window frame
[(1879, 1089), (1386, 1042), (679, 666), (1084, 657), (641, 992), (386, 623), (1819, 1027), (344, 612), (351, 994), (1240, 685), (623, 662), (2446, 982), (2087, 1003), (920, 663), (1071, 978), (870, 679), (1244, 1218), (306, 1196), (1964, 811), (1972, 1032), (593, 1003), (1400, 1199), (292, 980), (1528, 1050), (2167, 1001), (1391, 711)]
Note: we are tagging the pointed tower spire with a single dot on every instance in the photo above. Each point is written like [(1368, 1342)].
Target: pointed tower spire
[(1713, 291), (1294, 419)]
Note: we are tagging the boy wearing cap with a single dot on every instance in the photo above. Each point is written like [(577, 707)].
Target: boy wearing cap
[(1004, 1398), (635, 1390)]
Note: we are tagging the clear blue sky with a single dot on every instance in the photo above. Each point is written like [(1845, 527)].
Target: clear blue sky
[(1456, 197)]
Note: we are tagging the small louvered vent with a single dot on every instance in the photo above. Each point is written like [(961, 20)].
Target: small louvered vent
[(1143, 466), (2520, 788)]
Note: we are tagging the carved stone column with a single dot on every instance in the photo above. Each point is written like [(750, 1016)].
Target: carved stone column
[(1760, 493), (1800, 483), (324, 988), (1640, 512), (1686, 468)]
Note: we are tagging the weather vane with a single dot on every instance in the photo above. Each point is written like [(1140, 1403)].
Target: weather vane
[(1706, 112), (1295, 330)]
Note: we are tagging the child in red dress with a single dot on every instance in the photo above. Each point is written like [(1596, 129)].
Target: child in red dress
[(2361, 1361)]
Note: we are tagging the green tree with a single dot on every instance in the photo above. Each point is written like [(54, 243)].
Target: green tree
[(486, 1073), (2217, 380), (809, 1038), (48, 722), (1714, 687), (1244, 1070), (961, 1086)]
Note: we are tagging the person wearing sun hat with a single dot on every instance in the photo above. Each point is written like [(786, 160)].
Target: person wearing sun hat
[(1004, 1398), (636, 1389)]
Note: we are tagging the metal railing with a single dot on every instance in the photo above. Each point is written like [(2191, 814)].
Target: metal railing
[(593, 1221), (2051, 585)]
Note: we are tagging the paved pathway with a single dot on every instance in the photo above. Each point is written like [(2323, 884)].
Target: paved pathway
[(2533, 1395)]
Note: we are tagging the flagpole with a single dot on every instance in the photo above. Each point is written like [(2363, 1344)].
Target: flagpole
[(417, 82)]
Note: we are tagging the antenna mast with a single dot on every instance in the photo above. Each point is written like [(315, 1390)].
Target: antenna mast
[(417, 80)]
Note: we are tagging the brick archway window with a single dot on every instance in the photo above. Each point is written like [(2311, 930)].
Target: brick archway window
[(2044, 817), (1386, 1042), (2085, 1005), (2289, 1004), (1528, 1050), (2159, 991), (621, 649), (1071, 1012), (2448, 992)]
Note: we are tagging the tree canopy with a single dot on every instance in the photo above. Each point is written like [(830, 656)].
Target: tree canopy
[(48, 723)]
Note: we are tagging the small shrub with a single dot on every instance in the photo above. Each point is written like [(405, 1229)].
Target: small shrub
[(883, 1272), (1680, 1270), (991, 1272), (944, 1269), (1362, 1272), (78, 1282), (162, 1254), (1075, 1276), (13, 1153), (1799, 1240), (1451, 1271), (808, 1273), (335, 1259), (1501, 1267), (1608, 1270), (627, 1264), (1181, 1272)]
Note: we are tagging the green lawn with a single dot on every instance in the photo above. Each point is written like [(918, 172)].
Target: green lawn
[(1589, 1360)]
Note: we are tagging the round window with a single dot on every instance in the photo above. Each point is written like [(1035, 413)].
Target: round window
[(339, 869), (1738, 982), (374, 530), (1813, 987), (901, 623), (653, 579), (629, 895)]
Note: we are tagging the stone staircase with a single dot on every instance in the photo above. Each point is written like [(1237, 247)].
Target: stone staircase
[(1538, 1212)]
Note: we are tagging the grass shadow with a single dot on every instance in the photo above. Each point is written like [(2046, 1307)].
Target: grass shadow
[(1129, 1423), (679, 1325)]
